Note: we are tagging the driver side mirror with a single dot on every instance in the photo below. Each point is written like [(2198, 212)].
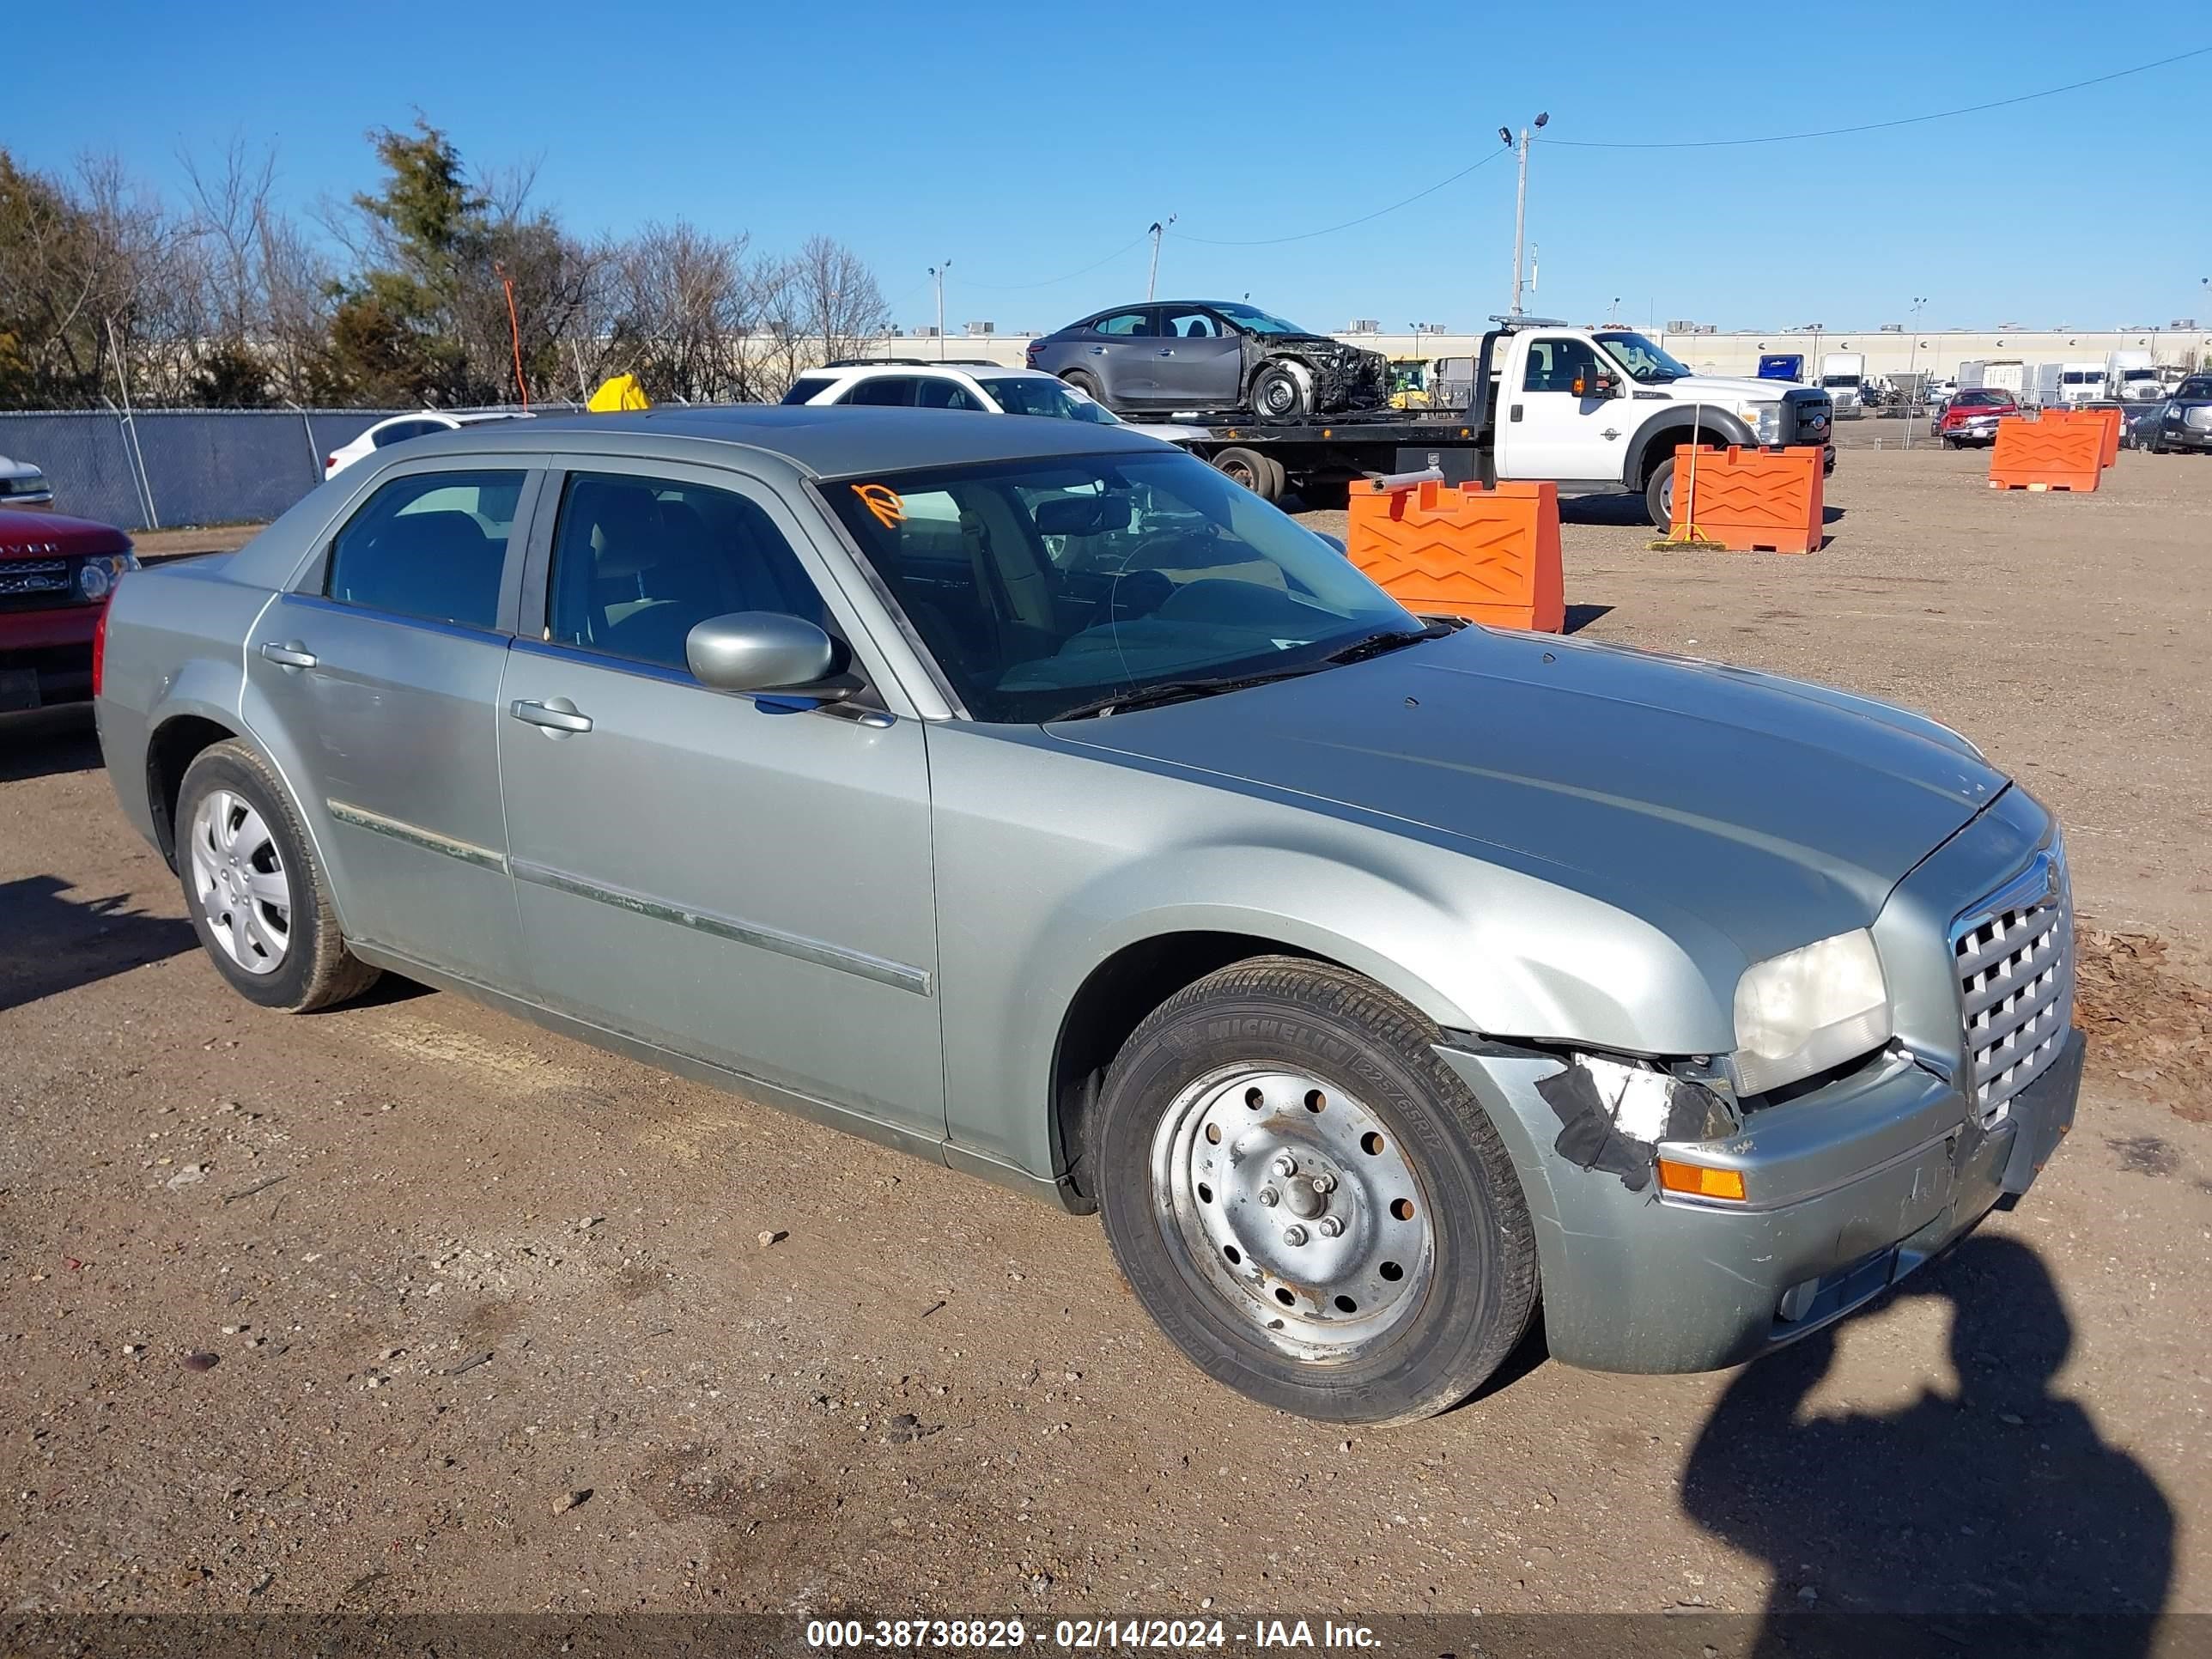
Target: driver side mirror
[(1595, 384), (765, 651)]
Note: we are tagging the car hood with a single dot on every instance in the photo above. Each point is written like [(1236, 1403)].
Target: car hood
[(56, 535), (1772, 810), (1728, 389)]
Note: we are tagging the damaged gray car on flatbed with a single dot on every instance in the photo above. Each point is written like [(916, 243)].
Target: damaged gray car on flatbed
[(1027, 796)]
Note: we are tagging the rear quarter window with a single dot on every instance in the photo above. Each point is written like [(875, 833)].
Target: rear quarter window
[(808, 387)]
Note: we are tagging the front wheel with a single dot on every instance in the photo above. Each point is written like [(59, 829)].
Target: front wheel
[(1659, 495), (1312, 1207), (1277, 394)]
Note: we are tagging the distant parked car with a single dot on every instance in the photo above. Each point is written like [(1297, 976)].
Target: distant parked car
[(23, 488), (400, 428), (1212, 354), (984, 387), (56, 573), (2185, 420), (1971, 416)]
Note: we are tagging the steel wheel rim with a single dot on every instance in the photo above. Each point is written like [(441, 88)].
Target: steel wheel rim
[(238, 883), (1290, 1204), (1275, 396), (1667, 497)]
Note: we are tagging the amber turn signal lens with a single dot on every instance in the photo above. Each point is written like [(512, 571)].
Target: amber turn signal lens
[(1699, 1181)]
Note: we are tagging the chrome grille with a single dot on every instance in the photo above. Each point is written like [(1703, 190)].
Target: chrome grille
[(34, 576), (2015, 958)]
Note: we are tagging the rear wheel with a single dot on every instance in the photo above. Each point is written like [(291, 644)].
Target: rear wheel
[(1086, 383), (1308, 1201), (257, 899)]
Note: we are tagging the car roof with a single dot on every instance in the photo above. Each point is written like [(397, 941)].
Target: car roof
[(460, 416), (825, 441), (845, 370)]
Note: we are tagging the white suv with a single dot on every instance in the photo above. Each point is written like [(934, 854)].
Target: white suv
[(972, 384)]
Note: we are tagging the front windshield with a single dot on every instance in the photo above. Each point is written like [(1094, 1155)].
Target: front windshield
[(2194, 389), (1643, 360), (1040, 394), (1040, 586), (1257, 321), (1839, 380)]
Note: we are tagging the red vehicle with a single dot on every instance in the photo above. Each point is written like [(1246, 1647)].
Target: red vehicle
[(56, 573), (1971, 416)]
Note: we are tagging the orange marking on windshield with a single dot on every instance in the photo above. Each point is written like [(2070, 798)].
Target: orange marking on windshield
[(883, 501)]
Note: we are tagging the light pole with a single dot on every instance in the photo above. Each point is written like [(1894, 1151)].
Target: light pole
[(1152, 277), (1520, 203), (937, 273), (1911, 362)]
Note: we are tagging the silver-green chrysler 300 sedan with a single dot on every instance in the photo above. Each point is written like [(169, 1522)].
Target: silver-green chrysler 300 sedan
[(1030, 797)]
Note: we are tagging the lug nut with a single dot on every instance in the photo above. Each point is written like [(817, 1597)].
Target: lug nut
[(1270, 1197), (1330, 1226), (1324, 1183), (1285, 1166), (1294, 1234)]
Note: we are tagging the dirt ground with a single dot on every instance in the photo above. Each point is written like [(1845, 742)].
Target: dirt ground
[(409, 1306)]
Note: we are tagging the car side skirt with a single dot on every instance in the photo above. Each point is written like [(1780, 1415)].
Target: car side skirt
[(1058, 1193)]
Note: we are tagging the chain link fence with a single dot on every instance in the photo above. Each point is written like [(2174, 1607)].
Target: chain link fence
[(157, 467)]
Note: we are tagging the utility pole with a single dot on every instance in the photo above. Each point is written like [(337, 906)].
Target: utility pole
[(1152, 277), (1520, 204), (937, 272)]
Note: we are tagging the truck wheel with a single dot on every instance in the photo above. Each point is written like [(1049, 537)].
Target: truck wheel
[(259, 900), (1245, 466), (1309, 1204), (1275, 482), (1277, 394), (1659, 495)]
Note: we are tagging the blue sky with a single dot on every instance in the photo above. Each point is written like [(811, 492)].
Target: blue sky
[(1025, 142)]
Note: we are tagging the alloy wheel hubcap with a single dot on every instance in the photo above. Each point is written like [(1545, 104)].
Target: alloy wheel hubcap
[(238, 883), (1292, 1206)]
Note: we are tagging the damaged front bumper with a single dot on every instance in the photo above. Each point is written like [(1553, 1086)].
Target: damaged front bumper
[(1846, 1190)]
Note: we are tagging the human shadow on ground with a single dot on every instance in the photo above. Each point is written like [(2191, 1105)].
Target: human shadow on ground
[(1994, 1513), (50, 943)]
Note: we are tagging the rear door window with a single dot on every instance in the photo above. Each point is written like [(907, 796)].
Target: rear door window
[(882, 392), (807, 387), (400, 431), (1126, 324), (943, 394), (429, 545)]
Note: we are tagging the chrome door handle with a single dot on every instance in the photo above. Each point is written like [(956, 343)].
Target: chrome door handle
[(558, 716), (1166, 351), (291, 656)]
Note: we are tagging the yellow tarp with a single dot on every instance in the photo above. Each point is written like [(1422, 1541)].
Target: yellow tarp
[(621, 393)]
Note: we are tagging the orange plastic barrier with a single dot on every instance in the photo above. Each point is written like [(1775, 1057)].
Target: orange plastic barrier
[(2047, 454), (1751, 500), (1492, 555), (2108, 423)]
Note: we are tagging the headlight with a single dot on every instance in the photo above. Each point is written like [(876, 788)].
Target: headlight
[(1765, 420), (1806, 1010), (97, 574)]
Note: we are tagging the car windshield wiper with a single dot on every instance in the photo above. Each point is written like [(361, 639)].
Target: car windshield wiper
[(1152, 696), (1376, 644)]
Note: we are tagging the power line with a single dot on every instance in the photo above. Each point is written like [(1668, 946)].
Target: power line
[(1050, 281), (1330, 230), (1876, 126)]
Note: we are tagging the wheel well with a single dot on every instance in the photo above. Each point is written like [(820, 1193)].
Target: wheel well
[(1114, 1002), (174, 746)]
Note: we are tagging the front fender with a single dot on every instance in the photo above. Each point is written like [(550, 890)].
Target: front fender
[(1675, 425)]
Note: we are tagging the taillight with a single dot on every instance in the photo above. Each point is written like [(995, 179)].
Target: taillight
[(99, 647), (328, 461)]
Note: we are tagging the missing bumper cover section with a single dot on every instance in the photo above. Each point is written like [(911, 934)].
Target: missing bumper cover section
[(1613, 1115)]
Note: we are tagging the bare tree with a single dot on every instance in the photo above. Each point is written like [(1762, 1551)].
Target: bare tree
[(838, 302)]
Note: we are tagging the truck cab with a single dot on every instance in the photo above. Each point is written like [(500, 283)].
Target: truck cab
[(1603, 409), (1843, 377), (2080, 383)]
